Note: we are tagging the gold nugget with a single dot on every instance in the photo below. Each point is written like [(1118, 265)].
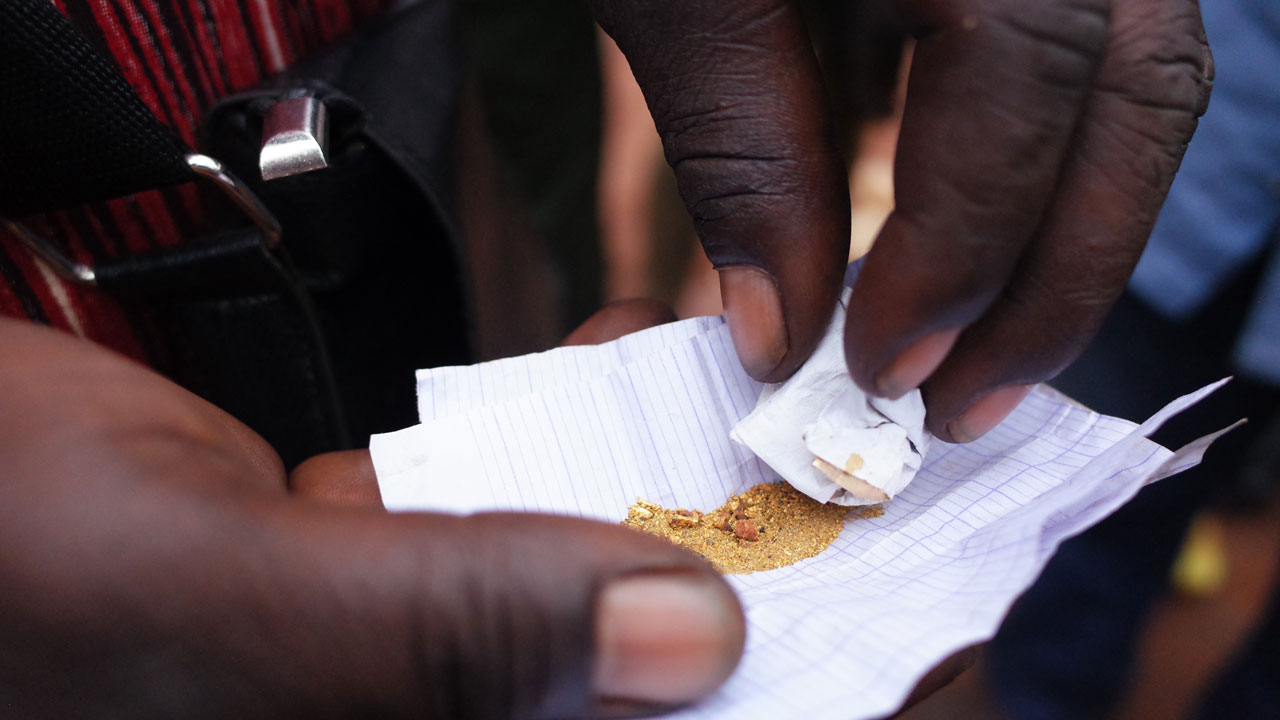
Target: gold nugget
[(772, 525)]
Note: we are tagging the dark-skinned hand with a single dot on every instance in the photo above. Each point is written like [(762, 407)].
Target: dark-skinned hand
[(153, 564), (348, 478), (1038, 143)]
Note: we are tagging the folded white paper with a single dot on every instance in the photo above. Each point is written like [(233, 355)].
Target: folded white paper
[(870, 447), (846, 634)]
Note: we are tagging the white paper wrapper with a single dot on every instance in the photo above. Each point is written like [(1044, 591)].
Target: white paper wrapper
[(870, 447)]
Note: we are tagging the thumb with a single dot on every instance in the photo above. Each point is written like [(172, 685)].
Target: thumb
[(517, 615), (736, 95)]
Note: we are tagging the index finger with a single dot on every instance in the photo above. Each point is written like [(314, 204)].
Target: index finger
[(735, 92), (994, 94)]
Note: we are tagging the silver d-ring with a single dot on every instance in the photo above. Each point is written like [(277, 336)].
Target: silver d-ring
[(203, 166), (76, 272), (239, 194)]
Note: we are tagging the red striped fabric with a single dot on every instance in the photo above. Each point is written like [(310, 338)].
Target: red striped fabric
[(180, 56)]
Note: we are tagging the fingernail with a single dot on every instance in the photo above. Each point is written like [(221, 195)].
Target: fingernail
[(986, 413), (665, 639), (915, 364), (754, 311)]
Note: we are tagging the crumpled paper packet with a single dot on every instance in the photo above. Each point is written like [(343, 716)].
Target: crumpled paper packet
[(828, 438)]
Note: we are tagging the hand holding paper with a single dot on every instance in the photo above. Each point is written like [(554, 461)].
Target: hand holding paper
[(828, 438), (585, 431)]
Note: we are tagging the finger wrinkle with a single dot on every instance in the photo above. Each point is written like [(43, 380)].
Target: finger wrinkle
[(739, 134), (730, 156), (710, 99), (708, 176), (965, 251), (1179, 86), (725, 118), (1152, 144), (752, 19), (1083, 41), (1167, 33), (928, 16), (711, 208), (690, 30), (1016, 58), (1186, 107), (977, 210), (1137, 129), (1046, 296)]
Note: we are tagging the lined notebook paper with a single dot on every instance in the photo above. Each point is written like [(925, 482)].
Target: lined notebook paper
[(584, 431)]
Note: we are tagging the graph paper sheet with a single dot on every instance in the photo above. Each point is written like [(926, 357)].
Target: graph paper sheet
[(586, 430)]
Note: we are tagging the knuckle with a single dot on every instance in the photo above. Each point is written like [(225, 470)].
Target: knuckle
[(954, 280), (719, 188), (1070, 34), (676, 52), (737, 101), (1158, 58), (1151, 90), (1136, 150), (1059, 42), (747, 190)]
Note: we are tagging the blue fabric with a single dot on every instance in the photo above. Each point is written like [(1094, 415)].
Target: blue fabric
[(1066, 649), (1204, 302), (1223, 210), (1258, 352)]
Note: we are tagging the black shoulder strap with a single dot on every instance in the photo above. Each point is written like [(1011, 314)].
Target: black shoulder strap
[(72, 130), (242, 331)]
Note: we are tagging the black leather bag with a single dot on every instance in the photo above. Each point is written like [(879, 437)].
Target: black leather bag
[(312, 340), (371, 236)]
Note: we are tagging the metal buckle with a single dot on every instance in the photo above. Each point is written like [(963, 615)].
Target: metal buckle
[(294, 136), (203, 166)]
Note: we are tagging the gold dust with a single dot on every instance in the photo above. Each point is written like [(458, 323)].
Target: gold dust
[(772, 525)]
